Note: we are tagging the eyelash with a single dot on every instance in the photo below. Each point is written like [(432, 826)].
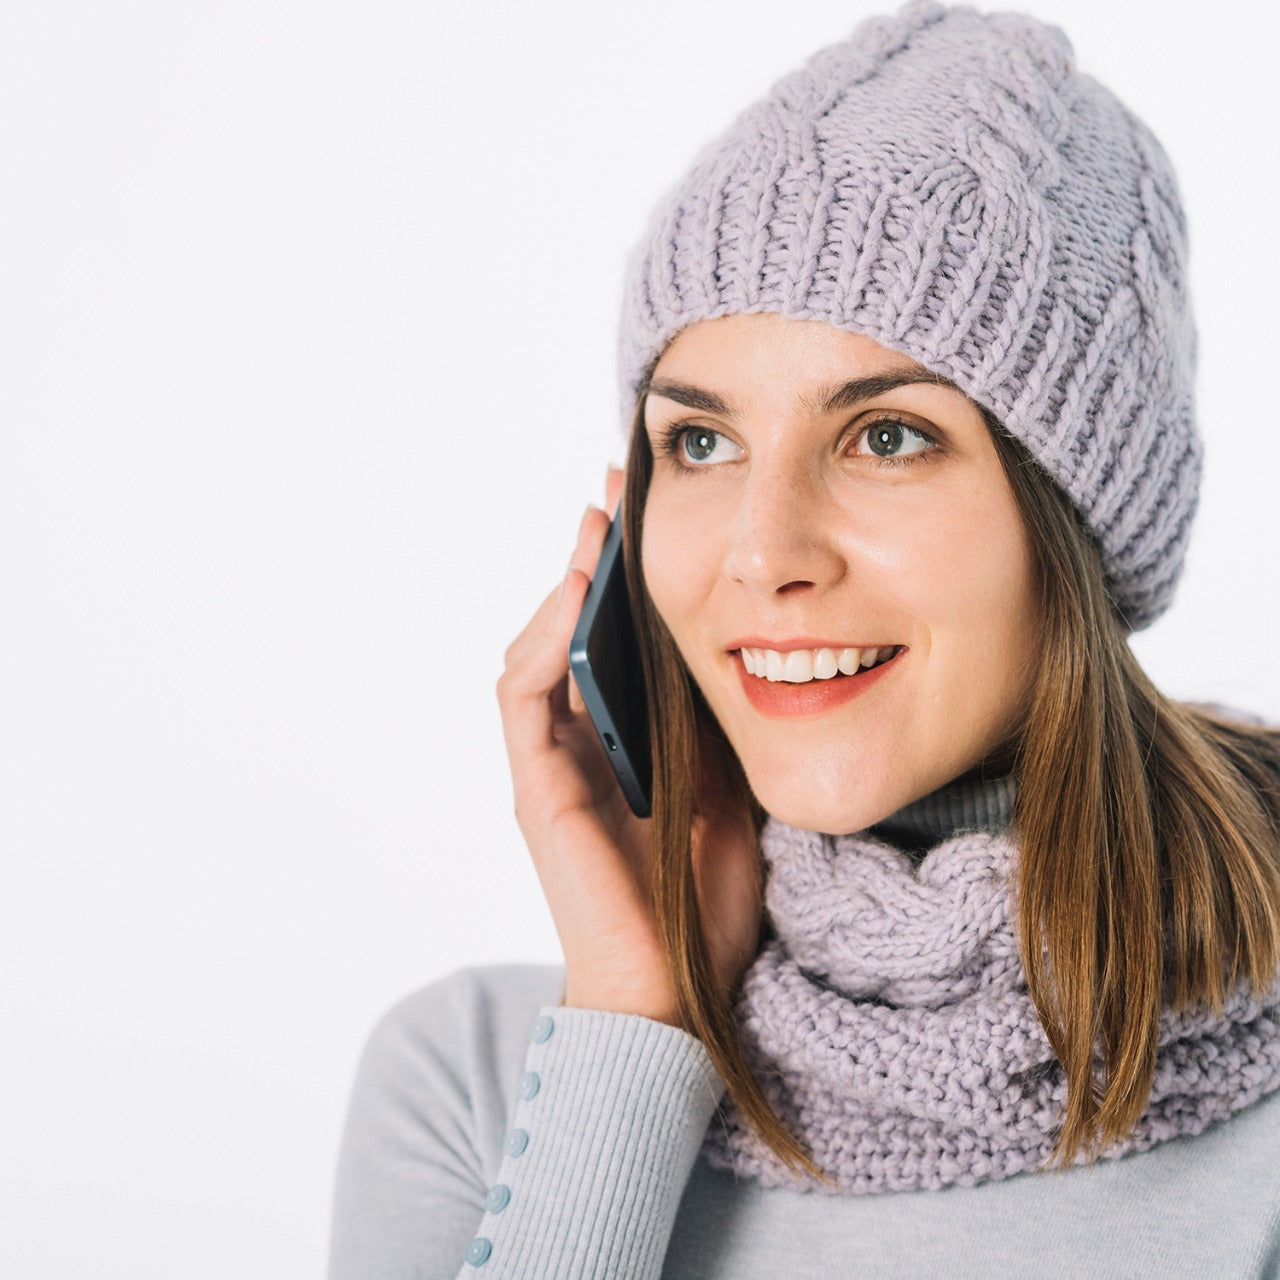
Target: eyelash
[(670, 438)]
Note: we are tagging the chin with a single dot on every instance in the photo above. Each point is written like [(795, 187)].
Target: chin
[(812, 808)]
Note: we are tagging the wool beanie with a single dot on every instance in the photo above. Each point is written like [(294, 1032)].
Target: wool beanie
[(947, 183)]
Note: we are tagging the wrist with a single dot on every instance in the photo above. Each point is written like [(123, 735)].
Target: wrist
[(618, 998)]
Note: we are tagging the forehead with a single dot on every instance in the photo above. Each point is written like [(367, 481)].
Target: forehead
[(731, 363)]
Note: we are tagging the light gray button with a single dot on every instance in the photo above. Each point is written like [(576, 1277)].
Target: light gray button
[(515, 1142), (478, 1251), (497, 1197), (542, 1029), (529, 1085)]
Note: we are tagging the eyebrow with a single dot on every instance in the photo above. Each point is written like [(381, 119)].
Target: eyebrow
[(844, 396)]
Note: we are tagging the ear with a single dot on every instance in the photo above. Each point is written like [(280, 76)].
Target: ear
[(612, 490)]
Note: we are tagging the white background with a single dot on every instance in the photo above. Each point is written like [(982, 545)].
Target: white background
[(306, 376)]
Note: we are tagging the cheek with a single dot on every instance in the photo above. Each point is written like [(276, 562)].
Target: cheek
[(984, 616), (679, 560), (966, 571)]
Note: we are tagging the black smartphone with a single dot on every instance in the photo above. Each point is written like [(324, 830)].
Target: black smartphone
[(604, 657)]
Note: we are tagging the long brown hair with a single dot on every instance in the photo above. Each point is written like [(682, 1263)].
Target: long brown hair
[(1149, 835)]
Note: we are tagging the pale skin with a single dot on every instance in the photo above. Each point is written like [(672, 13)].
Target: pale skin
[(777, 520)]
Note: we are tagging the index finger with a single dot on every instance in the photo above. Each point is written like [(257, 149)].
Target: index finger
[(612, 490)]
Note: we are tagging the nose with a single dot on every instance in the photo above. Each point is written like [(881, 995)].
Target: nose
[(780, 539)]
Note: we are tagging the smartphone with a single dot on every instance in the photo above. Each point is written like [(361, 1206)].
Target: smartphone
[(604, 657)]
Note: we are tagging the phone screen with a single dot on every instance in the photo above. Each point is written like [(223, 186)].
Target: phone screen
[(604, 656)]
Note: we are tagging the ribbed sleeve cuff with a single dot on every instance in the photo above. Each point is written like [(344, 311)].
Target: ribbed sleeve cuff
[(610, 1114)]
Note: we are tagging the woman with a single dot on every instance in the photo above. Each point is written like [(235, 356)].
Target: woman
[(952, 947)]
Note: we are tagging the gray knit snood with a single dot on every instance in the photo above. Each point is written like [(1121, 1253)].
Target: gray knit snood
[(889, 1024)]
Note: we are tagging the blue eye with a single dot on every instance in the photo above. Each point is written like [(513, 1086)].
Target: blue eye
[(696, 447), (890, 438), (698, 443)]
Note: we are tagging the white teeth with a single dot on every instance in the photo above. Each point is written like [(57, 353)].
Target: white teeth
[(825, 664), (799, 666), (849, 660)]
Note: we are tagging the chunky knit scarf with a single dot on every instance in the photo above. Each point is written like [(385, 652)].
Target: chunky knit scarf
[(889, 1022)]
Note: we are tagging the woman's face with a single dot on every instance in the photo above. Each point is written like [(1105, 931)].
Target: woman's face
[(798, 526)]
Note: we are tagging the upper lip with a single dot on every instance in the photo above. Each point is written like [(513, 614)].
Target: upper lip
[(791, 643)]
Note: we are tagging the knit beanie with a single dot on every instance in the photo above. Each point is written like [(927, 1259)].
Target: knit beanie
[(946, 182)]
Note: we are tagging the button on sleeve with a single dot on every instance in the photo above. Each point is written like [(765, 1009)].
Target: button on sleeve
[(478, 1251)]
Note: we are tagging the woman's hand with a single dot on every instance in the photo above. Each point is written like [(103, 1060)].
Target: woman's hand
[(591, 853)]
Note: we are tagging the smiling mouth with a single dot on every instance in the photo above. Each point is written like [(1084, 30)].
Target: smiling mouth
[(803, 666)]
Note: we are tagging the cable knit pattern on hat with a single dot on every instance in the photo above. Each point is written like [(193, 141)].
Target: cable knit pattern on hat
[(890, 1025), (948, 183)]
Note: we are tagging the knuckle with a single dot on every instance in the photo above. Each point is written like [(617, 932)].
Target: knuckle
[(504, 687)]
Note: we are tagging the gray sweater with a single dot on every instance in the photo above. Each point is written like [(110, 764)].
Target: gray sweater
[(489, 1123)]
